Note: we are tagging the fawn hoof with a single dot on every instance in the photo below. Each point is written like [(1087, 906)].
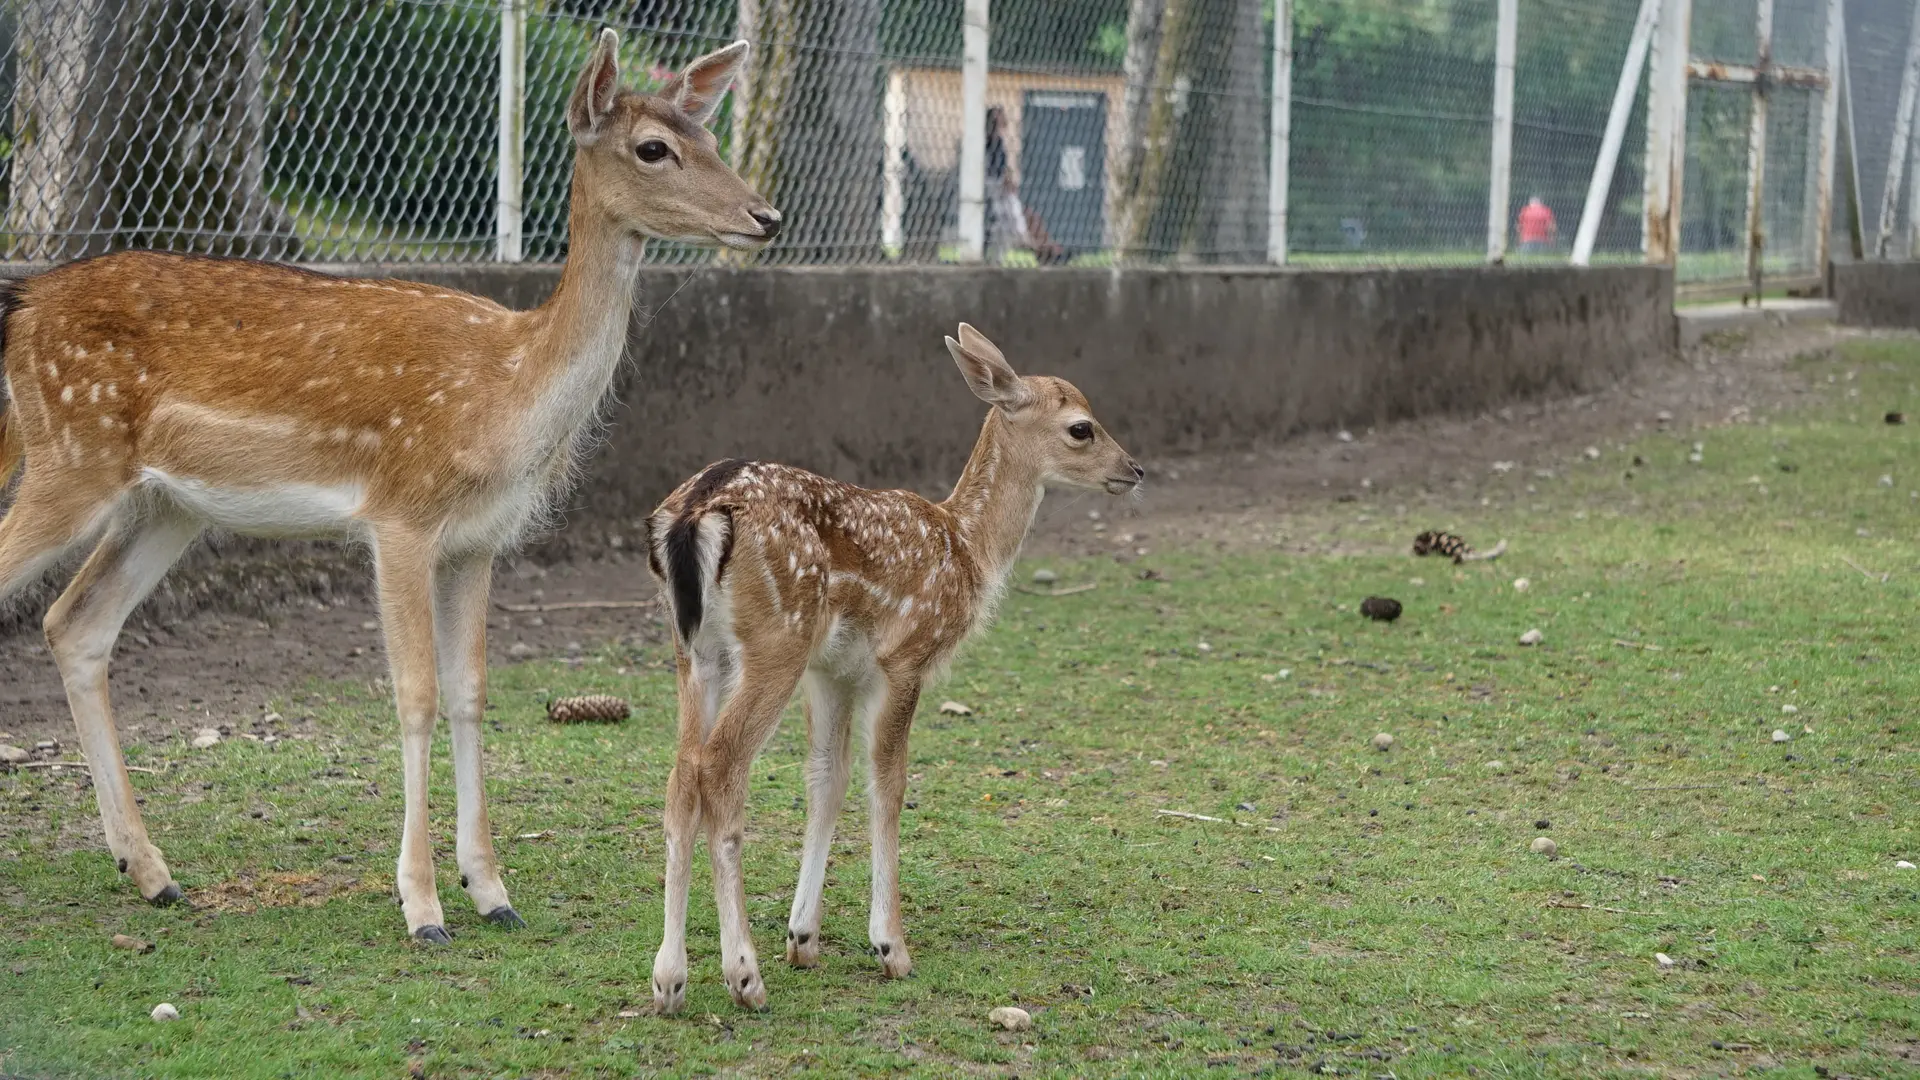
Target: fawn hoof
[(803, 949), (669, 1000), (433, 935), (168, 896), (504, 915), (893, 958), (749, 992)]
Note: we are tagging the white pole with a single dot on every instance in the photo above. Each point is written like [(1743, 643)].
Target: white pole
[(1667, 132), (1902, 129), (1499, 190), (1829, 146), (893, 195), (973, 133), (1617, 117), (1281, 132), (513, 110), (1757, 152)]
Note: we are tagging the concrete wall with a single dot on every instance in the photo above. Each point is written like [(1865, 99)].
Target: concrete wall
[(1876, 293), (843, 371)]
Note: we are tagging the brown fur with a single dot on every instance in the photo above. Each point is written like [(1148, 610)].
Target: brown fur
[(864, 596)]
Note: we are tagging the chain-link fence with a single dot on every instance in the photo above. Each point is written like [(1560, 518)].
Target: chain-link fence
[(1136, 131)]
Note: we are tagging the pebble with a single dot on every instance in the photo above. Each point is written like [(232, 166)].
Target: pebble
[(954, 708), (1011, 1018), (1903, 865), (369, 625), (1665, 961), (1593, 453), (1532, 637), (13, 755), (1780, 735), (1496, 766), (165, 1011), (1544, 845), (132, 944), (1044, 576), (206, 738), (520, 650), (1205, 647), (272, 718), (1521, 584), (1383, 742)]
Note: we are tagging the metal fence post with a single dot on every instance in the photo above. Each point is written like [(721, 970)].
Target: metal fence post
[(1666, 133), (973, 131), (1757, 146), (512, 143), (1280, 125), (1829, 146), (1506, 42), (1902, 129), (1617, 117)]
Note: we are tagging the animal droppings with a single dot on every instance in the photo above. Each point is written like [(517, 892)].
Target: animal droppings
[(588, 709), (1380, 608), (1011, 1018)]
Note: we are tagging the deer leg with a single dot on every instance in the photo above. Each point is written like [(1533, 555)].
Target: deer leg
[(829, 763), (460, 633), (886, 794), (682, 824), (43, 523), (726, 762), (82, 627), (404, 568)]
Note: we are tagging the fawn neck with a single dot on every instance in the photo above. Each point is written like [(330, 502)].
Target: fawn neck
[(579, 333), (994, 502)]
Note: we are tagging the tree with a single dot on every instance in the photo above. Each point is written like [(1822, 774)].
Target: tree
[(142, 123)]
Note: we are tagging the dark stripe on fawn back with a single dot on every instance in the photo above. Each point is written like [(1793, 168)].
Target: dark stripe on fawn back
[(683, 545)]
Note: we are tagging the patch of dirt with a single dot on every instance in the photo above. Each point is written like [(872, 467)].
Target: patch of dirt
[(208, 669), (246, 894)]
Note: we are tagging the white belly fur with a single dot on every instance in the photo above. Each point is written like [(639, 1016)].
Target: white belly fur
[(281, 510)]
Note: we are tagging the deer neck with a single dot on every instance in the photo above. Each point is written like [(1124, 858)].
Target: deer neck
[(577, 337), (994, 503)]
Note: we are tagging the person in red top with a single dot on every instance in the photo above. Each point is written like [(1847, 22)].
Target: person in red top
[(1537, 227)]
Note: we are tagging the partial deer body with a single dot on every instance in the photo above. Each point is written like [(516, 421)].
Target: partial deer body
[(154, 396), (780, 578)]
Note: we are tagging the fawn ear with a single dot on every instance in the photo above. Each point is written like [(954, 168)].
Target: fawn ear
[(697, 91), (593, 94), (993, 379)]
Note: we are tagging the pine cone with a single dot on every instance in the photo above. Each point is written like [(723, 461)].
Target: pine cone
[(1434, 542), (589, 709), (1380, 608)]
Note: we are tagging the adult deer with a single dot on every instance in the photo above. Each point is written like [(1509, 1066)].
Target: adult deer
[(779, 577), (154, 396)]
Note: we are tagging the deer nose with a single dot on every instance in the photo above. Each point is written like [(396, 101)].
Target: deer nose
[(1138, 472), (769, 220)]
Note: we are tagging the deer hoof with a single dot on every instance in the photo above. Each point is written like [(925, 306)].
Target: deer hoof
[(433, 935), (507, 917), (168, 896)]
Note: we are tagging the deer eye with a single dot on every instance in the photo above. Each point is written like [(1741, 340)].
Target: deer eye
[(652, 150), (1081, 431)]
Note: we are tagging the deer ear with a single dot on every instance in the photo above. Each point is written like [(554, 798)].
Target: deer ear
[(593, 94), (697, 91), (993, 379)]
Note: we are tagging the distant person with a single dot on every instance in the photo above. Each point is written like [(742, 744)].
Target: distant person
[(1007, 219), (1537, 227)]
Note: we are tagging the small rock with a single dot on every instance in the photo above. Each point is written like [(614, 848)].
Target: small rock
[(1592, 453), (165, 1011), (1380, 608), (1885, 480), (1383, 742), (954, 708), (1780, 735), (1696, 457), (132, 944), (1044, 576), (1245, 807), (206, 739), (1532, 637), (1543, 824), (628, 1014), (520, 650), (1903, 865), (1011, 1018), (13, 755), (1665, 961), (1496, 765), (272, 718), (370, 625), (47, 746), (1344, 435), (1789, 709), (1544, 845), (1896, 418), (1663, 416), (1204, 647)]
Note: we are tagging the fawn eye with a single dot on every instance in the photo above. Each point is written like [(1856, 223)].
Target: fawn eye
[(1081, 431), (652, 150)]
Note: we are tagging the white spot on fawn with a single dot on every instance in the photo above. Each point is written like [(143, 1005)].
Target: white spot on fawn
[(66, 394)]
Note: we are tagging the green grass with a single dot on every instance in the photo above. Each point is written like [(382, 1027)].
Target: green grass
[(1376, 913)]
